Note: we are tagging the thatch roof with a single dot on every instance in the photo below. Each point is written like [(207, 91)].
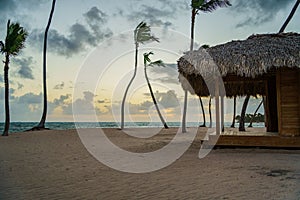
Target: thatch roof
[(249, 60)]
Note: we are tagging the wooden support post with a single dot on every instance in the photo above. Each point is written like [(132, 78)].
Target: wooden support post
[(222, 113), (217, 101)]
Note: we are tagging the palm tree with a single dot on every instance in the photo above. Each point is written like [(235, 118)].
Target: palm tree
[(243, 114), (289, 17), (14, 42), (157, 63), (204, 6), (209, 110), (142, 34), (251, 121), (234, 112), (41, 125)]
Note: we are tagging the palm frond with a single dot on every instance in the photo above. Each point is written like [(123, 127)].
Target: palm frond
[(142, 34), (209, 6), (15, 38), (158, 63), (1, 46), (146, 57)]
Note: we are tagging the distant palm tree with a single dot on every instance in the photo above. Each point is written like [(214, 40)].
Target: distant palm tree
[(142, 34), (148, 62), (209, 110), (289, 17), (204, 6), (234, 112), (243, 114), (14, 42), (41, 125), (253, 117)]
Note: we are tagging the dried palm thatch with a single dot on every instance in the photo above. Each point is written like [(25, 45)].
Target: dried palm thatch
[(250, 61)]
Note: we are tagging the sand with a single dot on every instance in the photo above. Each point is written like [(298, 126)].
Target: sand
[(55, 165)]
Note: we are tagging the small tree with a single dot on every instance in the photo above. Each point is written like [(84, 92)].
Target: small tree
[(142, 34), (14, 42), (148, 62)]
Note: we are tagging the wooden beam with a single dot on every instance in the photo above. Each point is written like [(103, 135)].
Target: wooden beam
[(222, 113), (217, 102)]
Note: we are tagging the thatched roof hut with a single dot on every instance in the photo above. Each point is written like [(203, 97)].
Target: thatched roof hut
[(266, 64), (244, 61)]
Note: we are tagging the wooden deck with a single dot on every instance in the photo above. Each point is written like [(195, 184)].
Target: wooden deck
[(254, 137)]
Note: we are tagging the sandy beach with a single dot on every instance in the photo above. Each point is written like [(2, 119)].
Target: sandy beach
[(55, 165)]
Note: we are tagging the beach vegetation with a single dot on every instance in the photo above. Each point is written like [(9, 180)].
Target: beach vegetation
[(148, 62), (12, 45), (41, 124), (197, 6), (142, 35)]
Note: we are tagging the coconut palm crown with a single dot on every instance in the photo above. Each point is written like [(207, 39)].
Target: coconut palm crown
[(209, 6)]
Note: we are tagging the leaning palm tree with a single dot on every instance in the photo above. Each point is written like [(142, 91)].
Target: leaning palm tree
[(41, 125), (290, 16), (14, 42), (197, 6), (243, 114), (252, 118), (148, 62), (142, 34)]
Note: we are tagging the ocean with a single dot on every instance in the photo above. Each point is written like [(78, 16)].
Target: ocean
[(23, 126)]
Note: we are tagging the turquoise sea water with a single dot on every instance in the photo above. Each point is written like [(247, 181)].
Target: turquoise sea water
[(23, 126)]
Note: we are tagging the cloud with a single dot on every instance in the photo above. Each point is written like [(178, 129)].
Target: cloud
[(20, 86), (84, 106), (170, 73), (159, 14), (104, 101), (80, 36), (258, 11), (61, 100), (24, 64), (168, 99), (59, 86), (11, 8), (1, 78)]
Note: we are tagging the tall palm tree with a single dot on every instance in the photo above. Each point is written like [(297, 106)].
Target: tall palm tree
[(154, 63), (142, 34), (197, 6), (234, 112), (41, 125), (243, 114), (14, 42), (290, 16)]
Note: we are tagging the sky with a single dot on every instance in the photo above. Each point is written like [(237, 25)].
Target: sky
[(91, 54)]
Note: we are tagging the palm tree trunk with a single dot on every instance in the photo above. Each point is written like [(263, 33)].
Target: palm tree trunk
[(289, 17), (44, 115), (251, 121), (194, 12), (6, 93), (128, 86), (234, 112), (154, 100), (243, 113), (203, 113), (209, 110)]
